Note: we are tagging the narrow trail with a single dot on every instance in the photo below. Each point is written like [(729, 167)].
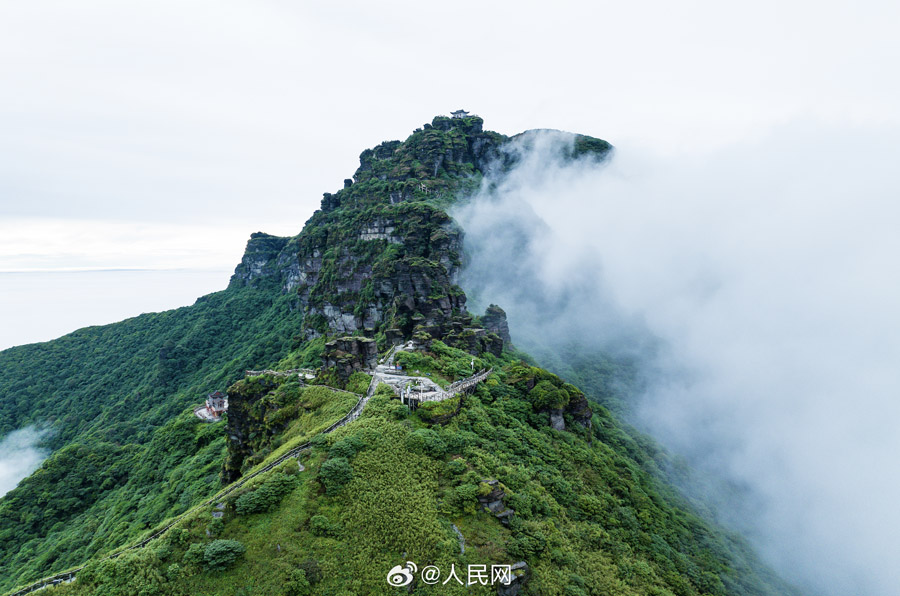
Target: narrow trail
[(283, 373), (379, 374)]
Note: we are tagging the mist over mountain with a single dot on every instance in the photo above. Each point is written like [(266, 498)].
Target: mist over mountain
[(20, 455), (378, 422), (753, 293)]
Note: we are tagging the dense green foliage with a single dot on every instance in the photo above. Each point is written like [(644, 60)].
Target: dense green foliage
[(120, 382), (609, 380), (272, 412), (221, 554), (92, 496), (589, 517), (334, 474), (266, 496)]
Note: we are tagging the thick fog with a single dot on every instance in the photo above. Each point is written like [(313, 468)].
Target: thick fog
[(20, 455), (768, 275)]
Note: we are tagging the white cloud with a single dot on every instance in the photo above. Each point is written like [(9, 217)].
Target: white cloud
[(235, 110), (20, 455), (44, 244), (767, 271)]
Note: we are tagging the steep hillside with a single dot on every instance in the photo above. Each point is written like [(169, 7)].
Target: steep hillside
[(515, 468)]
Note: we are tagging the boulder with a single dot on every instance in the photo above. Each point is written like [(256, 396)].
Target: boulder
[(557, 422), (494, 320), (350, 354), (520, 576)]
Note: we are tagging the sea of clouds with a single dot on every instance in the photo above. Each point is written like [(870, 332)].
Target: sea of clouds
[(765, 277)]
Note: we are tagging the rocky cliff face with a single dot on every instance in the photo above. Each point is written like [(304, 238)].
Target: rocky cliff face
[(494, 320), (260, 258), (251, 424), (347, 355), (381, 256)]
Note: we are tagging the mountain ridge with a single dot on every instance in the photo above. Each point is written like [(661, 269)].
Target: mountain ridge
[(377, 265)]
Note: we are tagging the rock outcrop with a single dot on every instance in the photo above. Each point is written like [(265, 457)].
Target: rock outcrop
[(580, 410), (494, 320), (249, 426), (350, 354), (260, 259), (557, 419), (464, 334), (548, 393), (520, 576), (493, 502), (381, 257)]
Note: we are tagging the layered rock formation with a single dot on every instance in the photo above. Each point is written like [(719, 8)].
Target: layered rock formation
[(381, 256), (494, 320), (347, 355)]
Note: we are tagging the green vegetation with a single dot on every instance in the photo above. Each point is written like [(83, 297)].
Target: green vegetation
[(266, 496), (589, 517), (221, 554), (334, 474), (91, 497)]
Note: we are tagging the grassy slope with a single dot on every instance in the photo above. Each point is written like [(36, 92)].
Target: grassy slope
[(93, 531), (589, 518)]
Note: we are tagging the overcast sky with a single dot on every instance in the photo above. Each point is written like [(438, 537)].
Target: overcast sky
[(159, 135)]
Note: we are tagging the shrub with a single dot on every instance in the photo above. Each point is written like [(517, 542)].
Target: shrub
[(346, 447), (335, 473), (545, 395), (358, 382), (426, 441), (221, 554), (215, 527), (298, 585), (432, 411), (456, 466), (194, 554), (523, 546), (463, 498), (320, 525), (312, 570), (173, 572), (178, 537), (268, 495)]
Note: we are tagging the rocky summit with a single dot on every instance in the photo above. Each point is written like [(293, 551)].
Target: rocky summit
[(382, 256)]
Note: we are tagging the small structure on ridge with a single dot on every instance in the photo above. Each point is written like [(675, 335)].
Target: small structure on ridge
[(216, 404)]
